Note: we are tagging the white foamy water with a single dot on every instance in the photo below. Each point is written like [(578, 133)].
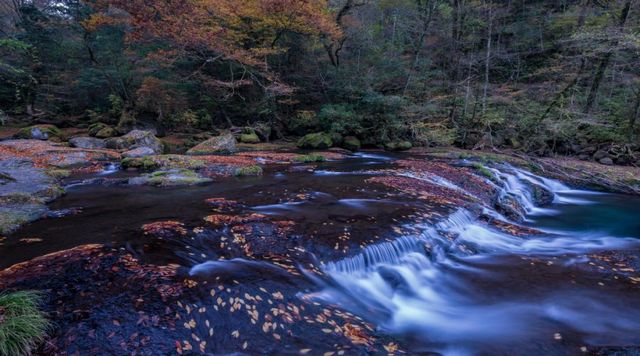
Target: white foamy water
[(421, 285)]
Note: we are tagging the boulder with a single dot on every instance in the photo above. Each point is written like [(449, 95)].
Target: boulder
[(351, 143), (606, 161), (170, 177), (600, 155), (219, 144), (136, 139), (249, 138), (139, 152), (318, 140), (106, 132), (39, 132), (263, 130), (397, 146), (87, 142)]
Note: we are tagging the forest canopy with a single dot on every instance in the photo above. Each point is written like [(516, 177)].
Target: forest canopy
[(540, 76)]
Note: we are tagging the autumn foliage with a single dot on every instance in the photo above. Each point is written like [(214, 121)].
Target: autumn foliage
[(245, 32)]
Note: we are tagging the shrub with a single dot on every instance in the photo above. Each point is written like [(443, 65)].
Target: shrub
[(22, 325)]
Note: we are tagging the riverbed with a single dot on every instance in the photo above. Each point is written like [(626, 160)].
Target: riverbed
[(446, 272)]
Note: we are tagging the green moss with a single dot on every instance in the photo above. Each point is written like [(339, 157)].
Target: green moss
[(483, 170), (309, 158), (48, 130), (175, 177), (145, 163), (50, 193), (58, 173), (149, 163), (22, 324), (318, 140), (11, 220), (248, 171), (351, 143), (95, 127), (249, 138), (106, 132), (397, 146), (20, 198)]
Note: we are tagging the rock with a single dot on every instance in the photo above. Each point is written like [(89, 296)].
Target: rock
[(219, 144), (249, 138), (87, 142), (336, 139), (397, 146), (95, 127), (318, 140), (351, 143), (606, 161), (600, 155), (584, 157), (39, 132), (136, 139), (588, 150), (541, 196), (106, 132), (24, 190), (170, 177), (139, 152), (248, 171), (263, 130)]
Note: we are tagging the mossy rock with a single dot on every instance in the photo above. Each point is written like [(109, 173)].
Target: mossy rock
[(483, 170), (169, 161), (397, 146), (249, 138), (336, 139), (58, 173), (351, 143), (215, 145), (318, 140), (95, 128), (248, 171), (309, 158), (106, 132), (144, 163), (172, 177), (40, 132)]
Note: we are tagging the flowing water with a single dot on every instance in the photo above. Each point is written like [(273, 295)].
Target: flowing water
[(454, 286)]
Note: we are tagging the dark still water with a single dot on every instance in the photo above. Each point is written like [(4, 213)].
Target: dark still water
[(453, 286)]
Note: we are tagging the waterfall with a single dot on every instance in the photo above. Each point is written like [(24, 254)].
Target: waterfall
[(423, 283), (110, 169)]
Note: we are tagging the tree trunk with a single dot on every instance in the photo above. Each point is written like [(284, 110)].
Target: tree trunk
[(634, 117), (487, 63), (604, 61)]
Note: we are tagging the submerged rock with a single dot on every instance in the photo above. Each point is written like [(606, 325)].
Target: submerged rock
[(215, 145)]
